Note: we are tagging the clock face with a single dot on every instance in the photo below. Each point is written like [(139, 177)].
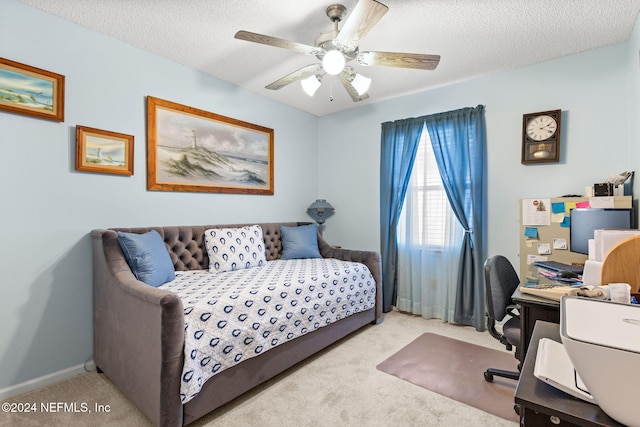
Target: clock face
[(541, 127)]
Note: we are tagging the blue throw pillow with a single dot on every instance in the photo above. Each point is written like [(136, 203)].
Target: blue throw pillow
[(148, 257), (300, 242)]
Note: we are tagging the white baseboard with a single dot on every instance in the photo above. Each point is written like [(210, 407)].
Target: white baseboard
[(46, 380)]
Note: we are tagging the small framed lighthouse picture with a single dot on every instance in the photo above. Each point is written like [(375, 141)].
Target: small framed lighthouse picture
[(103, 151)]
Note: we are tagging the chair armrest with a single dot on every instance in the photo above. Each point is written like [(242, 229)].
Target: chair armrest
[(371, 259), (513, 310), (138, 333)]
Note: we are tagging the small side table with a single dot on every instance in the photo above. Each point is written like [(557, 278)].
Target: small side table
[(544, 405)]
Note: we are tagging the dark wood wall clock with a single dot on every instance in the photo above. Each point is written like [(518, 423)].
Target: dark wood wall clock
[(541, 137)]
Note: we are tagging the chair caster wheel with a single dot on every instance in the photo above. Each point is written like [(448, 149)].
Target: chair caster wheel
[(488, 377)]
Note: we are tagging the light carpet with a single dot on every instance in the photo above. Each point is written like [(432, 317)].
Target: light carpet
[(455, 369), (339, 386)]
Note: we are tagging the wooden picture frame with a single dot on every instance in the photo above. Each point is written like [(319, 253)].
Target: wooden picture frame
[(194, 150), (103, 151), (31, 91)]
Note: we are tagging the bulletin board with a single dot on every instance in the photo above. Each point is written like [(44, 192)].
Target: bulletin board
[(544, 228)]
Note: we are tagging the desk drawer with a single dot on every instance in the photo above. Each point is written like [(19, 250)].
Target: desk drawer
[(531, 418)]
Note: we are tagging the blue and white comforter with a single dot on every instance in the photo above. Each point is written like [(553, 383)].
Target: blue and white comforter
[(236, 315)]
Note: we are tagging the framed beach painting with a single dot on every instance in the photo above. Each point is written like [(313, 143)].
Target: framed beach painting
[(103, 151), (31, 91), (195, 150)]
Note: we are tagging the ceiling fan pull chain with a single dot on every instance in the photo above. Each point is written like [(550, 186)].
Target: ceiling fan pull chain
[(331, 89)]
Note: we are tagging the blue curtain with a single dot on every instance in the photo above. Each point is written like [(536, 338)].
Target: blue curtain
[(398, 151), (429, 241), (459, 145)]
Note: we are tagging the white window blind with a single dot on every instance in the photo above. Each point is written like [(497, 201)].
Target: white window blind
[(426, 215)]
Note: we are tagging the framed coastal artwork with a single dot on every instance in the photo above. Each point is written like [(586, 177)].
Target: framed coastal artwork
[(31, 91), (103, 151), (194, 150)]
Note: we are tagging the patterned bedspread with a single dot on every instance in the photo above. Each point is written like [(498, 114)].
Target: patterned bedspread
[(236, 315)]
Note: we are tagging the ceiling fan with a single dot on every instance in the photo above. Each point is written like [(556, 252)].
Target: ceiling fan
[(337, 48)]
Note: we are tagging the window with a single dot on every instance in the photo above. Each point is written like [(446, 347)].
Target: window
[(426, 208)]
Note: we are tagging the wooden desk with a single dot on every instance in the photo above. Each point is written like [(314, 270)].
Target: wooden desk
[(544, 405), (532, 309)]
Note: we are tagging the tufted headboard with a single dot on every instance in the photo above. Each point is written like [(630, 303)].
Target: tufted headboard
[(186, 243)]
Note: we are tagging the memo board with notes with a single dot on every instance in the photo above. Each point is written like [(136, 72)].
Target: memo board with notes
[(544, 237)]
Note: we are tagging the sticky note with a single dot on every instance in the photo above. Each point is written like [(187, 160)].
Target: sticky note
[(557, 207), (566, 222), (559, 243), (544, 249), (583, 204), (531, 232)]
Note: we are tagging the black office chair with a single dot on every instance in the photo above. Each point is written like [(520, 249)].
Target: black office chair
[(501, 280)]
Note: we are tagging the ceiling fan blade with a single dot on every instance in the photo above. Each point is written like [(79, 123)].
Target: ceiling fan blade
[(274, 41), (300, 74), (362, 19), (401, 60), (346, 82)]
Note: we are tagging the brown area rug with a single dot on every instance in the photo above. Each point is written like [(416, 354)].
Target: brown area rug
[(455, 369)]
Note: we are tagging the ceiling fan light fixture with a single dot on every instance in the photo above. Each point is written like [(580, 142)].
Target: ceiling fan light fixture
[(361, 84), (337, 48), (333, 62), (311, 84)]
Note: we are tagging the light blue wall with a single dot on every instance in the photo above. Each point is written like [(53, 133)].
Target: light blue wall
[(633, 89), (591, 88), (47, 208)]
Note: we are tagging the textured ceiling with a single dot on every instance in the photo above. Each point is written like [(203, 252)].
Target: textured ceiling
[(474, 37)]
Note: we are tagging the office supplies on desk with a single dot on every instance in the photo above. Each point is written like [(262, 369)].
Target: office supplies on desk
[(592, 273), (556, 230), (613, 186), (620, 292), (550, 291), (597, 292), (620, 264), (565, 274), (603, 243), (558, 266), (565, 277), (619, 178), (603, 189), (602, 340), (554, 367), (606, 239)]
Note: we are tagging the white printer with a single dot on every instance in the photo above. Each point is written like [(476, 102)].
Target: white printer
[(602, 339)]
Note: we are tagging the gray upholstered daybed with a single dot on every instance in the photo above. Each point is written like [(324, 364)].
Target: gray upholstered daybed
[(139, 330)]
